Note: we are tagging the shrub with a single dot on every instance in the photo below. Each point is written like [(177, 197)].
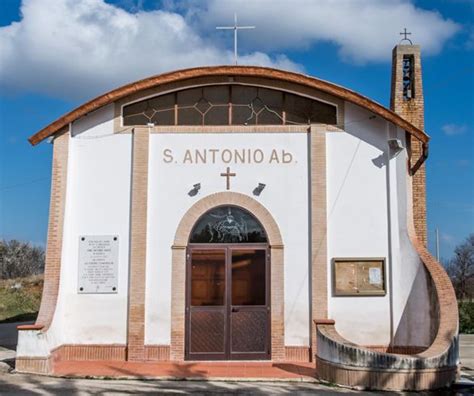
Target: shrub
[(466, 317), (20, 259)]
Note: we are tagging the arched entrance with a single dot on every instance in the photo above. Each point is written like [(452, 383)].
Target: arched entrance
[(228, 287), (179, 263)]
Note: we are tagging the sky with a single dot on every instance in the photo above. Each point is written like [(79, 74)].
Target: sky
[(56, 54)]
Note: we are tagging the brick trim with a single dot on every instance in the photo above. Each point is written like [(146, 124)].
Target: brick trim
[(297, 354), (115, 352), (52, 269), (178, 272), (319, 259), (29, 327), (226, 129), (159, 353), (138, 233)]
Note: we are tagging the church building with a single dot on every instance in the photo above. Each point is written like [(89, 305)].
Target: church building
[(240, 213)]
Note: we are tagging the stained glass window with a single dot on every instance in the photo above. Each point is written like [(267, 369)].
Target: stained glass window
[(228, 224), (229, 105)]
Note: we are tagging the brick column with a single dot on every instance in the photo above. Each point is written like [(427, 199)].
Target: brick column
[(138, 226), (412, 109), (277, 301), (319, 260), (54, 245), (178, 303)]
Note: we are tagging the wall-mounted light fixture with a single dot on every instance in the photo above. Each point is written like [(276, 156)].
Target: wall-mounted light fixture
[(395, 146), (258, 190), (194, 190)]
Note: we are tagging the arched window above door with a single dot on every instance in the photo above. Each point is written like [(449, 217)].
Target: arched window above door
[(228, 224), (229, 105)]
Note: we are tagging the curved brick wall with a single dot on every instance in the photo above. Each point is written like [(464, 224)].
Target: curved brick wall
[(343, 362)]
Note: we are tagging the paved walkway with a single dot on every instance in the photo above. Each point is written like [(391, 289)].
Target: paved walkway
[(300, 372)]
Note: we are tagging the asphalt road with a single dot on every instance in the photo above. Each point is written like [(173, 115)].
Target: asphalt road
[(9, 334), (466, 352)]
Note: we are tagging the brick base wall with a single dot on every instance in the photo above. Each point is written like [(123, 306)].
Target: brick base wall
[(396, 380), (297, 354), (33, 365)]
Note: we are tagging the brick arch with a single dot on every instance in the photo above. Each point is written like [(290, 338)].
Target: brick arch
[(229, 72), (178, 273)]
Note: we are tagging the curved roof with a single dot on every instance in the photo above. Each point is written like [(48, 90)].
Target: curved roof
[(250, 71)]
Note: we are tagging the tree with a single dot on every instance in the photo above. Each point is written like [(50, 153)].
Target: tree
[(20, 259), (461, 269)]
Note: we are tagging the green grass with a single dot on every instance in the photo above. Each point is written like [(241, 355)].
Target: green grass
[(20, 299)]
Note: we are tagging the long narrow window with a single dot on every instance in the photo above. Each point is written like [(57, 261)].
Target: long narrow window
[(229, 105), (408, 77)]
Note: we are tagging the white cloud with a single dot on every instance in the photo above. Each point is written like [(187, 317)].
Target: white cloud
[(79, 48), (453, 129), (364, 30)]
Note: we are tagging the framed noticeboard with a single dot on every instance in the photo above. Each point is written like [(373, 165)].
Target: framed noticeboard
[(358, 277)]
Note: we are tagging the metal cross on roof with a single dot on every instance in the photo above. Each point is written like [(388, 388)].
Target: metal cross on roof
[(235, 28), (405, 34)]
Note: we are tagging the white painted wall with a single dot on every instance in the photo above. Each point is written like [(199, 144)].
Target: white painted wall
[(285, 196), (368, 204), (357, 219), (97, 203), (412, 310)]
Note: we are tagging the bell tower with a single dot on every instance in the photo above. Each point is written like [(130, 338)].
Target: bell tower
[(407, 101)]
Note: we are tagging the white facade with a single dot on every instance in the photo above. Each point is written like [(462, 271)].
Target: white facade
[(285, 196), (367, 197)]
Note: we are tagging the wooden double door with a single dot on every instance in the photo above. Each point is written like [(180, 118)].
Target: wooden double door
[(228, 302)]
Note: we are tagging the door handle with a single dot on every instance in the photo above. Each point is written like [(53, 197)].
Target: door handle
[(235, 310)]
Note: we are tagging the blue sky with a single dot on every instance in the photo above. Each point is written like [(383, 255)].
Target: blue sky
[(55, 54)]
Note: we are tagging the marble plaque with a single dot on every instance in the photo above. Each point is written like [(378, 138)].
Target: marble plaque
[(98, 264)]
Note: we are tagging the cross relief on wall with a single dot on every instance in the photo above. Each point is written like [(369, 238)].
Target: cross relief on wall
[(228, 174)]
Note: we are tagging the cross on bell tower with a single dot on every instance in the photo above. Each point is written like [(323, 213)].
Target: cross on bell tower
[(405, 34)]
